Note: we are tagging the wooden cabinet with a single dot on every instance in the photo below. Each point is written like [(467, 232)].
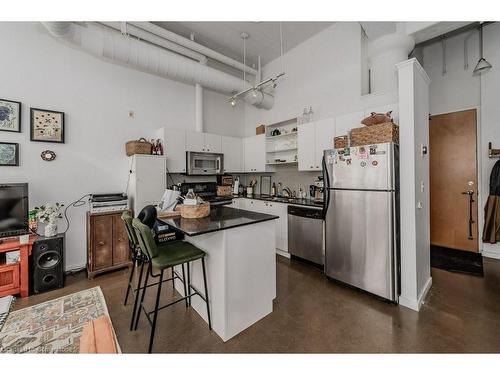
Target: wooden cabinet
[(9, 277), (203, 142), (174, 148), (312, 139), (232, 148), (107, 243)]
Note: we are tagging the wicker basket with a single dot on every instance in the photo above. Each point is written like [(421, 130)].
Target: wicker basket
[(340, 141), (195, 212), (138, 147), (380, 133)]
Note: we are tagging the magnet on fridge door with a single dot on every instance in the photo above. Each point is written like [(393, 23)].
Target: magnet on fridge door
[(373, 150), (363, 163), (348, 161), (363, 152)]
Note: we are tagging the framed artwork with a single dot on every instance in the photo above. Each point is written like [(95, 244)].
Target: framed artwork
[(47, 126), (9, 154), (10, 116)]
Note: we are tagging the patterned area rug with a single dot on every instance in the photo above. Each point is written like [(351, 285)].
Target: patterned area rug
[(54, 326)]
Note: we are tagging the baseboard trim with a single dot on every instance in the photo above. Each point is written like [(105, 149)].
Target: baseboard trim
[(285, 254), (416, 304), (491, 254), (426, 289)]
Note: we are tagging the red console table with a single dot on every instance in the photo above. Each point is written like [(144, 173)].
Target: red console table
[(14, 278)]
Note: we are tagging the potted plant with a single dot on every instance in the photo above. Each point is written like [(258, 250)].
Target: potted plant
[(48, 214)]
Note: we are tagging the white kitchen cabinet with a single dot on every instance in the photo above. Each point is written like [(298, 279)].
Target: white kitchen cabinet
[(213, 143), (281, 210), (312, 139), (306, 149), (254, 149), (203, 142), (195, 141), (272, 208), (174, 148), (325, 132), (232, 148)]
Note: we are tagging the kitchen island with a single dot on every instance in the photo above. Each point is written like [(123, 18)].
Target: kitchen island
[(241, 266)]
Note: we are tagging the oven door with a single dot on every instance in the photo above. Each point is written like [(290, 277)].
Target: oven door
[(204, 163)]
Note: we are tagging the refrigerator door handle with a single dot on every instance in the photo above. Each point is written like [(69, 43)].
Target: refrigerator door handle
[(326, 188)]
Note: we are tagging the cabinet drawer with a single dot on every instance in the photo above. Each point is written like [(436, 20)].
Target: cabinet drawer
[(9, 277)]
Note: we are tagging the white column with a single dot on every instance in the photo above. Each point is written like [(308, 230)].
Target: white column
[(199, 108), (414, 183)]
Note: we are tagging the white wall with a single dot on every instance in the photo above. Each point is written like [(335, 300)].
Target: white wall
[(96, 98), (458, 89)]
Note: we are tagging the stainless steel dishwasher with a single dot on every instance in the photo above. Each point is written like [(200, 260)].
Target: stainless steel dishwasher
[(305, 233)]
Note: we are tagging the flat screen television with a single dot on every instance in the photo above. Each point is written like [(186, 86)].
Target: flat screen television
[(13, 209)]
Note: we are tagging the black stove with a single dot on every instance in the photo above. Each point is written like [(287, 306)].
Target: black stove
[(206, 191)]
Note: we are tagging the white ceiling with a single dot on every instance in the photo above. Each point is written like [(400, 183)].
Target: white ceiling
[(224, 37)]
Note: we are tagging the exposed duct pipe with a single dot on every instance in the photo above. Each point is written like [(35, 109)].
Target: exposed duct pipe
[(185, 42), (155, 39), (198, 108), (111, 45)]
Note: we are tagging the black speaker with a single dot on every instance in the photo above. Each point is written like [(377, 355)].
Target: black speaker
[(48, 263)]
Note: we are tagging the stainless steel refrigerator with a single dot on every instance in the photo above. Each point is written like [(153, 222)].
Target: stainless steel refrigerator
[(361, 213)]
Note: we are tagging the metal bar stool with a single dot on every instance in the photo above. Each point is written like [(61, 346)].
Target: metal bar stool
[(138, 258), (163, 257)]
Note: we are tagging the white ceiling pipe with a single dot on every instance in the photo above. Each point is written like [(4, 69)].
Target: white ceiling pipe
[(198, 108), (157, 40), (113, 46), (185, 42)]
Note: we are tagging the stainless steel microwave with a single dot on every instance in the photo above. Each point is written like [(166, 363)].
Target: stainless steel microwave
[(204, 163)]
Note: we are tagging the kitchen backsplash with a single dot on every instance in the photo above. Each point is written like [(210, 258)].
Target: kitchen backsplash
[(288, 175)]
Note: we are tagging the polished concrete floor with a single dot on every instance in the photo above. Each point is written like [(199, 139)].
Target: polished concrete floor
[(313, 314)]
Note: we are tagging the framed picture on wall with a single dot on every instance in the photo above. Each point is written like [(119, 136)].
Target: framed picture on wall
[(47, 126), (9, 154), (10, 116)]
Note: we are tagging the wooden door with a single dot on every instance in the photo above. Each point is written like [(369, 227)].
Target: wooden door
[(121, 249), (453, 172), (102, 241)]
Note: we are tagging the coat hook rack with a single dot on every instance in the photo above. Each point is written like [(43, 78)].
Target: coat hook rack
[(493, 152)]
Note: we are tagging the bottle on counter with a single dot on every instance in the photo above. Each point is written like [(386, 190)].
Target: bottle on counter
[(153, 148), (273, 190), (280, 189), (159, 147)]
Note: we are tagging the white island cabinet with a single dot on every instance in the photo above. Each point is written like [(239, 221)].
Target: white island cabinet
[(241, 267)]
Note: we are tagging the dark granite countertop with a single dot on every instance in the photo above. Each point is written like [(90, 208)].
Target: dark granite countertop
[(293, 201), (220, 218)]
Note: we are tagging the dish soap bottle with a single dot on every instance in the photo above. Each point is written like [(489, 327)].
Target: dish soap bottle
[(190, 198)]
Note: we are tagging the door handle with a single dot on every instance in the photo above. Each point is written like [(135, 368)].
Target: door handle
[(100, 243), (470, 193)]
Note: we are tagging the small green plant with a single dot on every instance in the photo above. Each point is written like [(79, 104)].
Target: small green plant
[(49, 212)]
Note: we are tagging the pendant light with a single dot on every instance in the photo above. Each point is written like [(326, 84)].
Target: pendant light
[(257, 90), (482, 65)]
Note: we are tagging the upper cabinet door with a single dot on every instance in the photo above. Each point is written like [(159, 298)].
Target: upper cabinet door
[(325, 132), (249, 154), (213, 143), (259, 153), (174, 142), (232, 148), (306, 147), (195, 141)]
